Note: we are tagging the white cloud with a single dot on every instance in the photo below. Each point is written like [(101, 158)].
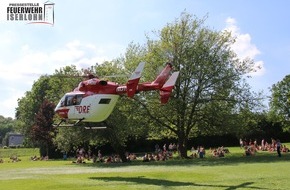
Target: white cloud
[(29, 61), (72, 51), (19, 71), (8, 106), (244, 47)]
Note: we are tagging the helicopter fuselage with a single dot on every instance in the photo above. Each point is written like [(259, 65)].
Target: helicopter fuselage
[(88, 108)]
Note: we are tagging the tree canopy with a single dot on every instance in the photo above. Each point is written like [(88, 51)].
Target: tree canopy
[(210, 92), (280, 102)]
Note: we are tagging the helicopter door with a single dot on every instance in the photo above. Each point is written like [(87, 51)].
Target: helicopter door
[(73, 101)]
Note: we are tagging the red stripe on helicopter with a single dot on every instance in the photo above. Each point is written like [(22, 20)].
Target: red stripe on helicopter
[(63, 113)]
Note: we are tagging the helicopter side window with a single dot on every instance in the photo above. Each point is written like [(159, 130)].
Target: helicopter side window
[(79, 99), (104, 101), (74, 100)]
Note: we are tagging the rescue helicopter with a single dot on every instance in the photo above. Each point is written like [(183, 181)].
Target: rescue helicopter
[(93, 100)]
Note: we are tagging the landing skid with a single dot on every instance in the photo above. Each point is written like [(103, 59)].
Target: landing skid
[(104, 127), (96, 125), (99, 125), (60, 124)]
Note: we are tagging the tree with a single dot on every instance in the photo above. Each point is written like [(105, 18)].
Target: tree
[(6, 125), (280, 102), (42, 132), (46, 88), (210, 92), (29, 105)]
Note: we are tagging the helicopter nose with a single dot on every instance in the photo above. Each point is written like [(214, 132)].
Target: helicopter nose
[(62, 112)]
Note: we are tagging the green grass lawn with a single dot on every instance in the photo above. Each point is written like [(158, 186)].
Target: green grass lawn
[(21, 152), (263, 171)]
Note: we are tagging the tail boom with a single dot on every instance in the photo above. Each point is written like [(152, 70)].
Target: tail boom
[(163, 82)]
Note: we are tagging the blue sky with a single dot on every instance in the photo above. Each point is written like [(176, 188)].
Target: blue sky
[(86, 32)]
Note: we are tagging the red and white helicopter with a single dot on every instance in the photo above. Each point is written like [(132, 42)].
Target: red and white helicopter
[(94, 99)]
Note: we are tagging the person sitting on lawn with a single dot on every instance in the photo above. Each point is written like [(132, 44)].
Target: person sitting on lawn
[(146, 158), (249, 151), (284, 148)]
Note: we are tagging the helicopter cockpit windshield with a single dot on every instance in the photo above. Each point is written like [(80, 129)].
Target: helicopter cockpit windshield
[(70, 99)]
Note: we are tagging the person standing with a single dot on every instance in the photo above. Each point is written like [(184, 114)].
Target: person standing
[(278, 147), (263, 144), (241, 143)]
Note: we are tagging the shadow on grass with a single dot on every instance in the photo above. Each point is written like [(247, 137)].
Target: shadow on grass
[(229, 159), (167, 183)]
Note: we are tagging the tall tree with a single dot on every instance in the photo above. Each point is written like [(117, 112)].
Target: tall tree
[(42, 132), (280, 102), (29, 105), (210, 91)]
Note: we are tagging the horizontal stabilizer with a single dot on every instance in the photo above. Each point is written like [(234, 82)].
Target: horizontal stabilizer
[(134, 80), (166, 89)]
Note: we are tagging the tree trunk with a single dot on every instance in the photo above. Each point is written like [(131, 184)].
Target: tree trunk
[(116, 145), (47, 151), (182, 146), (122, 153)]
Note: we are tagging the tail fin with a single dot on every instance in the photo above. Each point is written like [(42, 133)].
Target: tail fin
[(166, 89), (163, 76), (134, 80)]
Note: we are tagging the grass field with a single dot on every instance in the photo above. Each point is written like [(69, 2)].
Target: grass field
[(263, 171)]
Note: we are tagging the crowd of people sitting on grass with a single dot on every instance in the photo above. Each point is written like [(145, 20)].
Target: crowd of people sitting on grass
[(36, 158), (219, 152), (12, 159), (82, 156), (199, 152), (114, 158), (160, 154), (251, 147), (166, 152)]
